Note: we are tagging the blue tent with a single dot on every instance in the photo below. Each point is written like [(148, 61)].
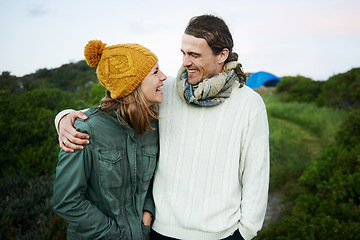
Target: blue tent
[(262, 79)]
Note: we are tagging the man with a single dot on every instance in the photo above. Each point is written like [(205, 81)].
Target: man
[(213, 173)]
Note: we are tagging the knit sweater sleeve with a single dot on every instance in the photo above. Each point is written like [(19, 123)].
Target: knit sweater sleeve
[(62, 114), (254, 172)]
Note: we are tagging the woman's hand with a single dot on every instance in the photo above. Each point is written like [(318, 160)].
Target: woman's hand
[(147, 218)]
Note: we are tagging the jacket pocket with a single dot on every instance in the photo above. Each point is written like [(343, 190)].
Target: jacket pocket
[(146, 231), (112, 168), (149, 161)]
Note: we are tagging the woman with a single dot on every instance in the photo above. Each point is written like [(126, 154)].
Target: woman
[(104, 190)]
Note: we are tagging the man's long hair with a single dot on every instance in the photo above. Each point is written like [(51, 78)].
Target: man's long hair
[(216, 33)]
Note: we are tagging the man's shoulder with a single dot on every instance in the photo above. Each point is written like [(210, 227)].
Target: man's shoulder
[(246, 92)]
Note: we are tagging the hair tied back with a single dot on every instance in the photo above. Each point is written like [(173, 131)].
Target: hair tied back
[(93, 51)]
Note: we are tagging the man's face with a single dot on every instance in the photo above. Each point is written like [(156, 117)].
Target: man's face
[(199, 59)]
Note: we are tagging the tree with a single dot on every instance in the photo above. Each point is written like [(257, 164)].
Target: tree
[(29, 139)]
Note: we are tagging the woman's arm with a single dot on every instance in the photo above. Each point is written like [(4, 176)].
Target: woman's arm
[(69, 201)]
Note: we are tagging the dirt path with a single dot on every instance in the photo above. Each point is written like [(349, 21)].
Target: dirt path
[(274, 208)]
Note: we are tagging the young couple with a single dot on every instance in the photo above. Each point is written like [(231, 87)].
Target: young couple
[(195, 166)]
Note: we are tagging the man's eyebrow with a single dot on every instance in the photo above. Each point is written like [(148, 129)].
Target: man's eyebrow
[(190, 53)]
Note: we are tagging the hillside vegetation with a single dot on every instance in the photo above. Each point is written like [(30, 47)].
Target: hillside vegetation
[(315, 157), (298, 133), (314, 149)]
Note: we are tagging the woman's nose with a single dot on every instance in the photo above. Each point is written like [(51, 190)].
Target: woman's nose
[(164, 77)]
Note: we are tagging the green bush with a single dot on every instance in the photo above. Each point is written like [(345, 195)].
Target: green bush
[(299, 89), (25, 208), (298, 132), (319, 227), (339, 91), (328, 204), (28, 136), (97, 92)]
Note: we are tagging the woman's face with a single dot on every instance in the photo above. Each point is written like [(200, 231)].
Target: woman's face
[(152, 84)]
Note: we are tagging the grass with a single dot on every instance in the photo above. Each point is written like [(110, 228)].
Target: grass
[(298, 132)]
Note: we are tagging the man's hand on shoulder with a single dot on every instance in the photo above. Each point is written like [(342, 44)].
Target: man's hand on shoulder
[(69, 138)]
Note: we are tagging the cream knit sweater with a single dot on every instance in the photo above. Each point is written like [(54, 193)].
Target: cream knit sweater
[(213, 172)]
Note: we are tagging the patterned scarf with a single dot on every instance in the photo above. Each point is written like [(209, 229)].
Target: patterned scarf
[(210, 91)]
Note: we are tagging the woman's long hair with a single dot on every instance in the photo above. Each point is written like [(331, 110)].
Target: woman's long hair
[(133, 110)]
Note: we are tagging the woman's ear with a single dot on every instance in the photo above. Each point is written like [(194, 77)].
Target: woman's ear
[(223, 55)]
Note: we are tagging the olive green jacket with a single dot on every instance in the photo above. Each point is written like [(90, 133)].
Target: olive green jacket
[(103, 190)]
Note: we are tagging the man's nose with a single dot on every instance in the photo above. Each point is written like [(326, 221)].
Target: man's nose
[(187, 61)]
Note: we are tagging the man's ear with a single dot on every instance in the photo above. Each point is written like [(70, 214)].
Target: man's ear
[(223, 55)]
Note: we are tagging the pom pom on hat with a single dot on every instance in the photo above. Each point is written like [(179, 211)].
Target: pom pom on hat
[(120, 68), (93, 51)]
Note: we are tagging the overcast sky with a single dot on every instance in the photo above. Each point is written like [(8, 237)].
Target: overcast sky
[(312, 38)]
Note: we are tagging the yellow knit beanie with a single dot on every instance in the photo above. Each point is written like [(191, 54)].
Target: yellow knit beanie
[(120, 68)]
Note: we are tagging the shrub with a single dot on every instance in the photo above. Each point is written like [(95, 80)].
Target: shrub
[(299, 89), (96, 93), (341, 90), (26, 210), (328, 205), (298, 132), (29, 139)]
